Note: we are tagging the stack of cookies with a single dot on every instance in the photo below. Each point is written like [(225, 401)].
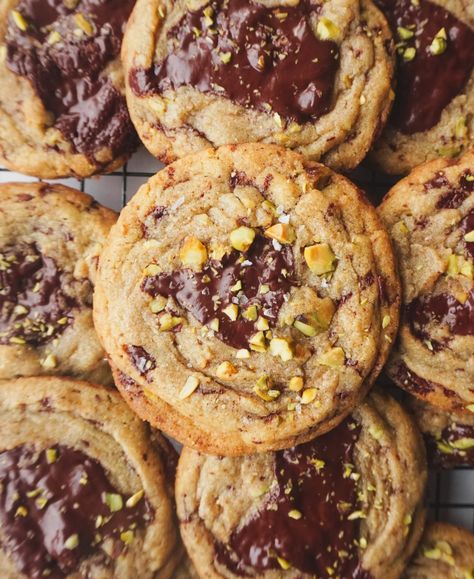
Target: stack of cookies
[(311, 353)]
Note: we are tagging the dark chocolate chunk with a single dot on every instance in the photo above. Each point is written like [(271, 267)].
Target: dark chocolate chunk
[(143, 361), (34, 305), (263, 58), (441, 309), (207, 293), (311, 480), (68, 74), (56, 508), (413, 383), (428, 82), (467, 225)]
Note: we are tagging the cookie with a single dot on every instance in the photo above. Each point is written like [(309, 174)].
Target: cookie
[(346, 504), (82, 480), (248, 297), (449, 437), (433, 113), (314, 78), (445, 552), (62, 104), (50, 240), (430, 217)]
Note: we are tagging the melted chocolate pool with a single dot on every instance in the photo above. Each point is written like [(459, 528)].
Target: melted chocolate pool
[(33, 304), (262, 58), (206, 294), (310, 479), (49, 497), (428, 82), (68, 74)]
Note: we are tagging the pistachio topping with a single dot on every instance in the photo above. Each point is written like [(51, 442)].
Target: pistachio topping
[(190, 386)]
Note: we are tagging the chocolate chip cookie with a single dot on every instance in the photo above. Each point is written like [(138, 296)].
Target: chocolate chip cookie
[(50, 240), (346, 504), (248, 297), (433, 114), (449, 437), (312, 77), (83, 489), (445, 552), (430, 217), (62, 103)]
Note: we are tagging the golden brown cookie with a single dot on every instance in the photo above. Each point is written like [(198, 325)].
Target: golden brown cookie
[(445, 552), (346, 504), (449, 437), (433, 114), (430, 217), (62, 104), (315, 78), (83, 486), (249, 299), (50, 240)]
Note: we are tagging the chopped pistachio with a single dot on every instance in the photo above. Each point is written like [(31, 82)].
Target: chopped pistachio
[(193, 253), (250, 313), (18, 341), (461, 131), (334, 358), (438, 46), (226, 370), (231, 311), (356, 515), (469, 237), (41, 502), (72, 542), (127, 537), (51, 455), (258, 343), (114, 501), (20, 310), (242, 238), (83, 24), (21, 511), (264, 289), (262, 324), (54, 37), (409, 53), (281, 232), (463, 443), (169, 322), (320, 258), (49, 362), (432, 553), (386, 321), (134, 499), (269, 207), (327, 30), (295, 514), (405, 33), (152, 269), (189, 387), (305, 329), (242, 354), (284, 564), (281, 347), (470, 407), (225, 57), (34, 493), (214, 325), (453, 266), (158, 304), (296, 384), (236, 287), (308, 395), (19, 20)]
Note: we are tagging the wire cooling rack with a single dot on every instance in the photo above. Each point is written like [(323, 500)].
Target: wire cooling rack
[(450, 493)]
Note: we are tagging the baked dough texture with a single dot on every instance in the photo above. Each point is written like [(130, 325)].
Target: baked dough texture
[(210, 73), (247, 299), (85, 480), (430, 217), (347, 504), (50, 240)]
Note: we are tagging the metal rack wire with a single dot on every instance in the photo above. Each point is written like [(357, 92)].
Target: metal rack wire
[(450, 493)]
